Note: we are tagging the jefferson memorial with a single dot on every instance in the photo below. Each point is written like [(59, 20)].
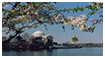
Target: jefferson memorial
[(40, 37)]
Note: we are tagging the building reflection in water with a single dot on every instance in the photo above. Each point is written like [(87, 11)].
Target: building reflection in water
[(43, 53)]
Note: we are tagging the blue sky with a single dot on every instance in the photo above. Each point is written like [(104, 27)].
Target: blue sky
[(57, 32)]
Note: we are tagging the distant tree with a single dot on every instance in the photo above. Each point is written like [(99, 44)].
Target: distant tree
[(32, 14), (55, 43), (4, 38), (26, 36), (67, 42), (19, 38)]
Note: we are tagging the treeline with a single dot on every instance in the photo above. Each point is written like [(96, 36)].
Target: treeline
[(89, 44), (80, 44)]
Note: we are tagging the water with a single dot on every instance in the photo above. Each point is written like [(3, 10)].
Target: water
[(91, 51)]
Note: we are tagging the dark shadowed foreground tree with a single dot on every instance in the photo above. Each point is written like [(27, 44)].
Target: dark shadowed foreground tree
[(32, 14)]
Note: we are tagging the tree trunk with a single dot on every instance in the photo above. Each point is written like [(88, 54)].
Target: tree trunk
[(7, 41)]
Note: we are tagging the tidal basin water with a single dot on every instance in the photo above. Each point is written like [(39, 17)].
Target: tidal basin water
[(89, 51)]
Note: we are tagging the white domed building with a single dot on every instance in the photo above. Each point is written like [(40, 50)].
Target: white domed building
[(38, 34), (40, 37)]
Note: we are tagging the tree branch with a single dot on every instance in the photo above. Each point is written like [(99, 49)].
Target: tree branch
[(100, 12), (7, 41), (15, 5)]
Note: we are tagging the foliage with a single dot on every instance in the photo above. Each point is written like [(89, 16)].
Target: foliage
[(25, 36), (32, 14), (55, 43), (74, 39)]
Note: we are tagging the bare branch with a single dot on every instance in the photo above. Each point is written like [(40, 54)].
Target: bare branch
[(100, 12)]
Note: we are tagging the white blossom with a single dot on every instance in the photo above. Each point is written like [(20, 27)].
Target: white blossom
[(77, 21), (36, 13), (82, 27), (67, 23)]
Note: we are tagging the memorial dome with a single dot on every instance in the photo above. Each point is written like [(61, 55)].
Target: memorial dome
[(38, 33)]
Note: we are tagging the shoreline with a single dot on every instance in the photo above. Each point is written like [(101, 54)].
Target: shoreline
[(66, 47)]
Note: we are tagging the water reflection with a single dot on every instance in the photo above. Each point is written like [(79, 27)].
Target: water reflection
[(95, 51), (43, 53)]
